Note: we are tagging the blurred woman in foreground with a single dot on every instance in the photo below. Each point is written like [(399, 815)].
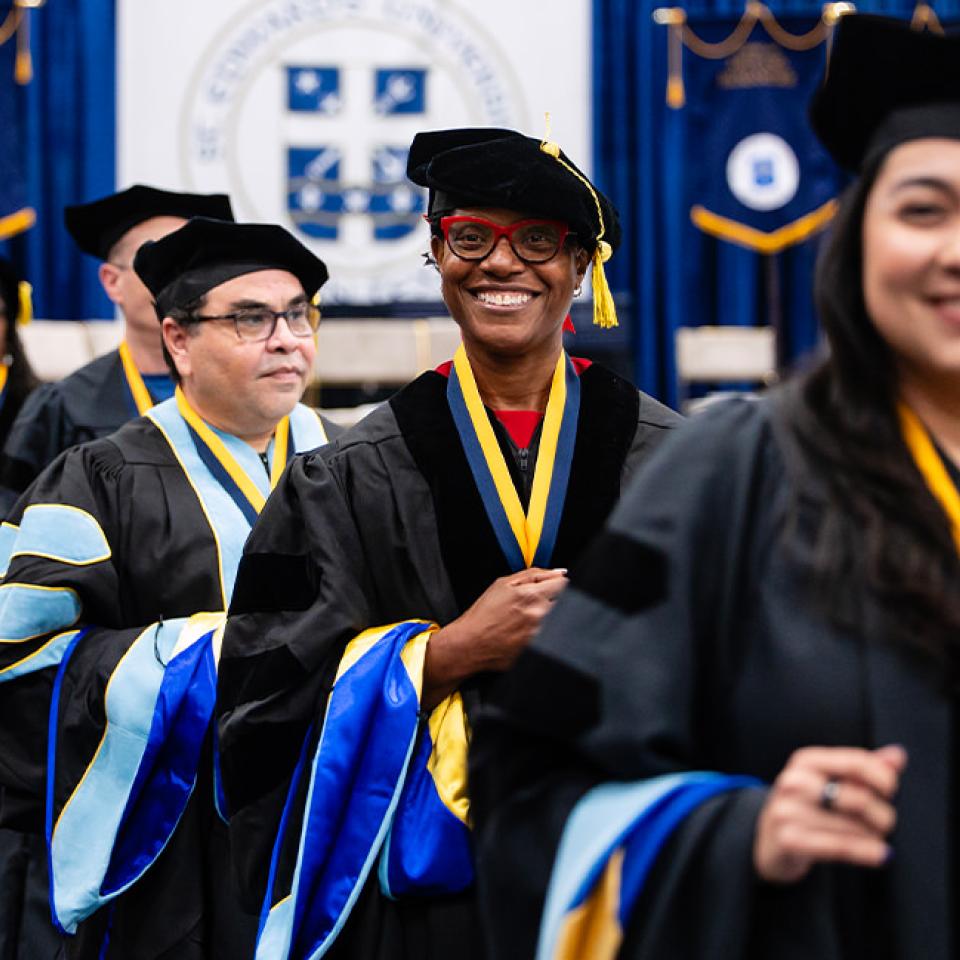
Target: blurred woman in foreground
[(763, 645)]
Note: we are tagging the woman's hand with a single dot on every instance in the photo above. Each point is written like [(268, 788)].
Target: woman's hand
[(829, 804), (490, 634)]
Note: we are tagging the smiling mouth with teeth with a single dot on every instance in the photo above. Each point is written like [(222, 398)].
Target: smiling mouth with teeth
[(504, 299)]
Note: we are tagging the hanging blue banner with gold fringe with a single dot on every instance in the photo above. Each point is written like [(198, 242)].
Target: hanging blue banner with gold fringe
[(757, 176), (746, 190), (15, 72)]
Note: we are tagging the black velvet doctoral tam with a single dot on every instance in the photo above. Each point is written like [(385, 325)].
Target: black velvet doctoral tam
[(98, 225), (886, 84), (490, 167), (204, 253)]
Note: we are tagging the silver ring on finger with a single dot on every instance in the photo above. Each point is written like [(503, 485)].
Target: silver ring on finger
[(829, 794)]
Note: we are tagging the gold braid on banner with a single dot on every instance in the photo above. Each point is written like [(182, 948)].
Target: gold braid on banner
[(10, 24), (682, 35), (17, 23)]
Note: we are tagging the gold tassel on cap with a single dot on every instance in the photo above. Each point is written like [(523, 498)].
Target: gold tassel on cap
[(604, 311), (25, 296)]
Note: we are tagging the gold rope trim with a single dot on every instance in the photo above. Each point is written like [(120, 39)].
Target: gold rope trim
[(773, 242), (15, 223), (723, 48), (798, 42), (754, 12), (681, 35), (10, 24)]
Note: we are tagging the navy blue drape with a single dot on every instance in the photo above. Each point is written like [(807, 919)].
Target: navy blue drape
[(639, 146), (15, 212), (70, 149)]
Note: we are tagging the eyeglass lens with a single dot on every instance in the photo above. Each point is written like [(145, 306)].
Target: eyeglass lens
[(302, 320)]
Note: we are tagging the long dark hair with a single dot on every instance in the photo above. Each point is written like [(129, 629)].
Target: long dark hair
[(881, 538)]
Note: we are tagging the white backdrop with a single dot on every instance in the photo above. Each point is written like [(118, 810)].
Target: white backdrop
[(302, 110)]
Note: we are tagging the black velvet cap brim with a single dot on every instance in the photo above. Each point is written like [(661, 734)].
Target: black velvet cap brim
[(204, 253), (98, 225), (502, 168), (886, 84)]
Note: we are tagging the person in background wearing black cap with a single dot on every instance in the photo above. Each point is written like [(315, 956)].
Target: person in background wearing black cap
[(103, 395), (763, 644), (119, 564), (17, 378), (452, 510)]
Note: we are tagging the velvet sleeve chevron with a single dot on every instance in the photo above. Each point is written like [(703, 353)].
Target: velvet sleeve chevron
[(111, 709), (316, 575), (57, 564), (635, 650), (300, 596)]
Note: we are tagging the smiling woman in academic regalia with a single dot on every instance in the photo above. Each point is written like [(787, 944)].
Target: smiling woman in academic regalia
[(758, 756), (454, 509)]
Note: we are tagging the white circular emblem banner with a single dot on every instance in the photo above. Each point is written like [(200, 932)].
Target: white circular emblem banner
[(763, 172)]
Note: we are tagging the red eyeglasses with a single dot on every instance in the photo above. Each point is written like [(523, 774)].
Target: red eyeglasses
[(533, 241)]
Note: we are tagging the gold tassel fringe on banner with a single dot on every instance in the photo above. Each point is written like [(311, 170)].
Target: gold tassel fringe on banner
[(17, 23)]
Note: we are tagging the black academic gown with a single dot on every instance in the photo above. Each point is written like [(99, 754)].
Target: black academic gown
[(165, 563), (9, 409), (92, 402), (383, 525), (691, 639)]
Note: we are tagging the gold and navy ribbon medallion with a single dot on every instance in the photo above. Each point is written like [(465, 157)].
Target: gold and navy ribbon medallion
[(526, 539), (931, 466), (224, 466), (138, 389)]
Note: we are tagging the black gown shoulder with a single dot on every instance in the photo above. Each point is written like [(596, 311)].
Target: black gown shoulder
[(92, 402)]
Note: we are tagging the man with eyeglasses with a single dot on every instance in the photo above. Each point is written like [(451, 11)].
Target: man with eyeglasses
[(110, 390), (120, 563)]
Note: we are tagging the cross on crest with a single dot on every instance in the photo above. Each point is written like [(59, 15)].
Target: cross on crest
[(346, 175)]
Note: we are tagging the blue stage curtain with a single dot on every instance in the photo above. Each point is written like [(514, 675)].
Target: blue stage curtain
[(70, 120), (15, 212), (638, 146)]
